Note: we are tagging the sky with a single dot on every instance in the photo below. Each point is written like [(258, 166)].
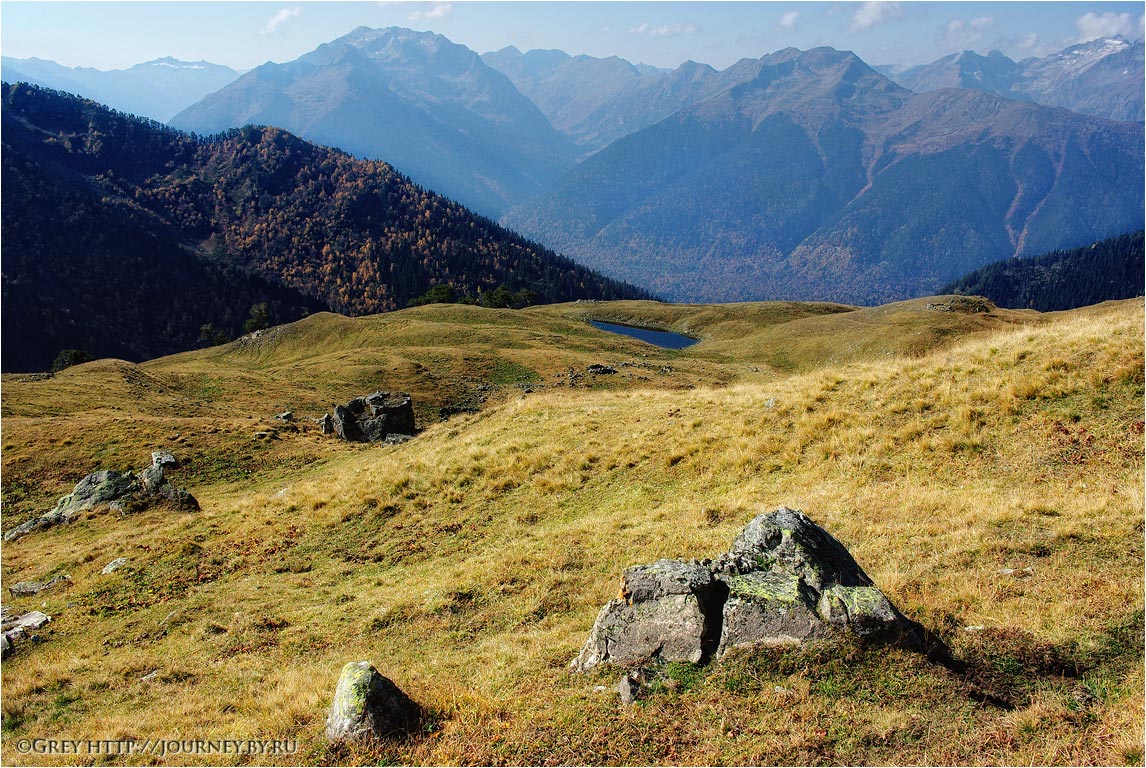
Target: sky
[(245, 34)]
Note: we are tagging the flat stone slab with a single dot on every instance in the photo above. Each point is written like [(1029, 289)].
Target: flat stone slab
[(26, 588)]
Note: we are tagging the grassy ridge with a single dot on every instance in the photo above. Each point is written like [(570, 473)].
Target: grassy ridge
[(468, 565)]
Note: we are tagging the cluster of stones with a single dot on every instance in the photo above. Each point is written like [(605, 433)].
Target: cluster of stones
[(377, 417), (17, 627), (120, 491), (784, 581)]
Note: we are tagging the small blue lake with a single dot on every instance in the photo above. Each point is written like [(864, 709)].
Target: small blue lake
[(663, 339)]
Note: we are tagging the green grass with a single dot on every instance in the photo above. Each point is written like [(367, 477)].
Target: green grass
[(469, 564)]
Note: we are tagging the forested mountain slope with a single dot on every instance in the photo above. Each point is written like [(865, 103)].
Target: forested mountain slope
[(125, 237), (1104, 271)]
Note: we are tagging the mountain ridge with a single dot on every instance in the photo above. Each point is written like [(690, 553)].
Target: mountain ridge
[(803, 169), (1103, 77), (156, 89), (426, 105)]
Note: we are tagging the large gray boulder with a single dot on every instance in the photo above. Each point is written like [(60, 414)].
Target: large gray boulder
[(664, 611), (368, 706), (112, 488), (371, 418), (784, 581), (790, 580)]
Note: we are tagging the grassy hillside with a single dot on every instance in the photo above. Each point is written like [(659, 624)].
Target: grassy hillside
[(468, 565)]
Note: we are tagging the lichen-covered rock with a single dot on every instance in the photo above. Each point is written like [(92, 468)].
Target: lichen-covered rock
[(97, 488), (863, 610), (119, 490), (664, 612), (790, 581), (371, 418), (788, 540), (785, 580), (766, 607), (369, 706)]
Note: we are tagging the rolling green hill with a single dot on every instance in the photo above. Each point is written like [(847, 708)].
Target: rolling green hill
[(942, 440)]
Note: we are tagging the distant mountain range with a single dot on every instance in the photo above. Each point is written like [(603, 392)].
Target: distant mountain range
[(431, 108), (597, 101), (124, 237), (156, 89), (815, 177), (799, 175), (1104, 77)]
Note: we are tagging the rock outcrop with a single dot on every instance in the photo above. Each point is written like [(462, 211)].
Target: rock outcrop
[(17, 627), (368, 706), (375, 418), (784, 581), (122, 491), (28, 588), (114, 566)]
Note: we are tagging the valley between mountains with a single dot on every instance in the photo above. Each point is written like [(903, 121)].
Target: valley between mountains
[(916, 301)]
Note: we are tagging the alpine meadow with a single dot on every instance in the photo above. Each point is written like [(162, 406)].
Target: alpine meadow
[(605, 383)]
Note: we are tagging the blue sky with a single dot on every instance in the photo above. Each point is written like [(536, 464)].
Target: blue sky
[(245, 34)]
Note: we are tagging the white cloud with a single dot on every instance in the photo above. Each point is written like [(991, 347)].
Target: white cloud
[(788, 20), (1029, 42), (276, 22), (438, 11), (962, 34), (1092, 25), (873, 12), (664, 30)]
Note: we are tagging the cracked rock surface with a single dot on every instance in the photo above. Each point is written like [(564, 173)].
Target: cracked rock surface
[(373, 418), (785, 580)]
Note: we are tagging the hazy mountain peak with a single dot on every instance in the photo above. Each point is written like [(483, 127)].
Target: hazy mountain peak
[(156, 89), (415, 99), (1102, 77), (694, 66)]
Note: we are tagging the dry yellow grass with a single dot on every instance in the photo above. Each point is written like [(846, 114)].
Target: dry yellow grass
[(468, 565)]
